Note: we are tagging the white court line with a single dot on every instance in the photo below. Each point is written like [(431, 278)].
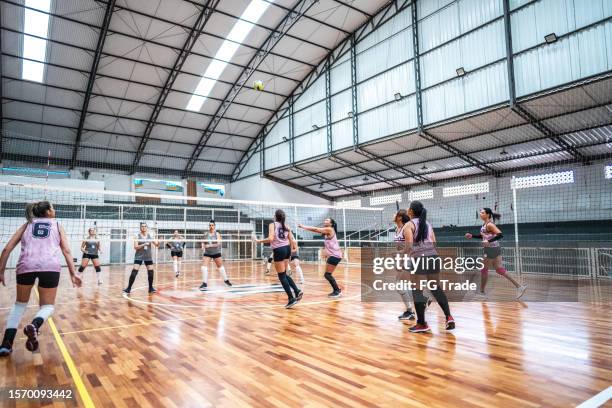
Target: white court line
[(598, 400)]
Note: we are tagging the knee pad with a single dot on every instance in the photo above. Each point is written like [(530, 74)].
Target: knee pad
[(81, 269), (98, 269), (484, 271), (501, 271)]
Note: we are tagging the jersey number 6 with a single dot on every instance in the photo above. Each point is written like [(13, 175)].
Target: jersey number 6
[(41, 230)]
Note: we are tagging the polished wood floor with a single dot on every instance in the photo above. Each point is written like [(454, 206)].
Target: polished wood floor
[(182, 348)]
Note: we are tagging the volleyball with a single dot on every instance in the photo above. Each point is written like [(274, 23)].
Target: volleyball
[(258, 85)]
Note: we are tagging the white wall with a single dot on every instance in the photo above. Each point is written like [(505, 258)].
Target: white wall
[(261, 189)]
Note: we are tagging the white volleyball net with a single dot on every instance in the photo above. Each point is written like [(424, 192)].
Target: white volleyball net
[(117, 216)]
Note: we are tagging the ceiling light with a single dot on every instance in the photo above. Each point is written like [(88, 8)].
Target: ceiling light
[(398, 96), (503, 152), (550, 38), (285, 139), (365, 178), (350, 114), (321, 186), (424, 168), (460, 71), (315, 127)]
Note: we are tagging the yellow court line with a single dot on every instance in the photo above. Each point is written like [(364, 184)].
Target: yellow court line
[(76, 376)]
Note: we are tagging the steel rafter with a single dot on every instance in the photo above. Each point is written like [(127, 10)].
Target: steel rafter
[(378, 19), (392, 165), (195, 32), (363, 171), (275, 36), (92, 78), (325, 180), (354, 115), (300, 188)]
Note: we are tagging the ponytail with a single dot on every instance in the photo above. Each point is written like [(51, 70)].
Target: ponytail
[(492, 215), (37, 210), (279, 216), (334, 225), (420, 212), (404, 216)]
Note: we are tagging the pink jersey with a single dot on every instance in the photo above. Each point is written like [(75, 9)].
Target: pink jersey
[(425, 247), (40, 247), (486, 235), (332, 247), (281, 237)]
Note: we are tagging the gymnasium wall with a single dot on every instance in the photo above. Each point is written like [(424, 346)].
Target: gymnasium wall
[(589, 197), (456, 34)]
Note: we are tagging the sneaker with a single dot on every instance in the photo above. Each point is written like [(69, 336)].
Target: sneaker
[(300, 295), (407, 315), (100, 281), (267, 272), (450, 323), (152, 290), (420, 328), (480, 296), (32, 333), (177, 275), (291, 303), (428, 303), (520, 291), (127, 291), (5, 351), (228, 283), (203, 286), (335, 294)]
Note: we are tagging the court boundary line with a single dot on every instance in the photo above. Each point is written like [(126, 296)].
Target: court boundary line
[(597, 400), (74, 373)]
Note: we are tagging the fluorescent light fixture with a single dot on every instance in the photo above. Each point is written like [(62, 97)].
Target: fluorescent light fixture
[(225, 53), (466, 189), (349, 204), (424, 168), (550, 38), (398, 96), (460, 71), (608, 172), (421, 195), (388, 199), (36, 24), (541, 180)]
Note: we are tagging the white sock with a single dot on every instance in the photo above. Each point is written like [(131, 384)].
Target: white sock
[(204, 274), (298, 269), (223, 274), (175, 266), (45, 312), (15, 315), (268, 265)]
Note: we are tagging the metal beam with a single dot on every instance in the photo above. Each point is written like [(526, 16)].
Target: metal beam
[(291, 136), (295, 186), (509, 54), (459, 153), (546, 131), (282, 28), (328, 120), (416, 63), (325, 180), (92, 78), (342, 49), (1, 105), (191, 40), (364, 171), (392, 165), (354, 114)]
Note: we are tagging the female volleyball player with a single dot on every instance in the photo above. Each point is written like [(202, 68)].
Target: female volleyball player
[(332, 249), (490, 235), (281, 239), (176, 245), (91, 250), (295, 261), (42, 239), (143, 243), (212, 250), (420, 244)]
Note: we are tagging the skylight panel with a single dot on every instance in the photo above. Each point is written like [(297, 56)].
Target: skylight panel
[(226, 52), (36, 24)]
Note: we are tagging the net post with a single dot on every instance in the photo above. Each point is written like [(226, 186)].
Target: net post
[(517, 256), (346, 254)]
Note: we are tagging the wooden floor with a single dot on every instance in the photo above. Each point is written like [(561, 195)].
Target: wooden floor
[(182, 348)]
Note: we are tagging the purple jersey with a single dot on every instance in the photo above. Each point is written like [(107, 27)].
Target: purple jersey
[(486, 235), (425, 247), (281, 236), (40, 247), (332, 247), (398, 238)]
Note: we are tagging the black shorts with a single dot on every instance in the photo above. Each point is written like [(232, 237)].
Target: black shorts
[(213, 256), (140, 262), (333, 260), (176, 253), (425, 265), (47, 280), (89, 256), (281, 253), (492, 252), (294, 257)]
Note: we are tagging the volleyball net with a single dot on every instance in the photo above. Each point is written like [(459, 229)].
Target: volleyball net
[(117, 216)]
